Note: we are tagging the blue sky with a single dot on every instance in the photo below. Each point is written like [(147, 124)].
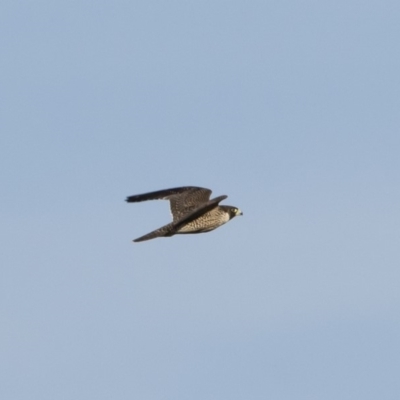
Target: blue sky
[(291, 109)]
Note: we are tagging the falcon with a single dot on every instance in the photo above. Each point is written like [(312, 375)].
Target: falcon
[(192, 211)]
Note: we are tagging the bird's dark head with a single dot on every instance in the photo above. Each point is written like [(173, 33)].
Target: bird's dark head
[(232, 211)]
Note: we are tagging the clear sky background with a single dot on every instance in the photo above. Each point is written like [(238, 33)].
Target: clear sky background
[(291, 108)]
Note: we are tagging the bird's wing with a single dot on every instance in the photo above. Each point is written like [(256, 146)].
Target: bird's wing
[(183, 204), (182, 199), (173, 227), (163, 231)]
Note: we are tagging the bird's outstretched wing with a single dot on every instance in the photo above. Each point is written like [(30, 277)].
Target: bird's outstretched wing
[(171, 228), (182, 199), (160, 232)]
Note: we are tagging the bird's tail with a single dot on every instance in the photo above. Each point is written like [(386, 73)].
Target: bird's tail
[(165, 230)]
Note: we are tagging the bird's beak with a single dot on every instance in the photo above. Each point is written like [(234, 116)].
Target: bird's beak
[(239, 212)]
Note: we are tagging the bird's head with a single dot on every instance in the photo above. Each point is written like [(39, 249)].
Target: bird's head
[(234, 212)]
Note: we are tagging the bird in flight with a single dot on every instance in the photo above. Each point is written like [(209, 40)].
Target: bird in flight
[(192, 211)]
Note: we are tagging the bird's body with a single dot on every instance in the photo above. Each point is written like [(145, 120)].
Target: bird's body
[(207, 222), (192, 211)]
